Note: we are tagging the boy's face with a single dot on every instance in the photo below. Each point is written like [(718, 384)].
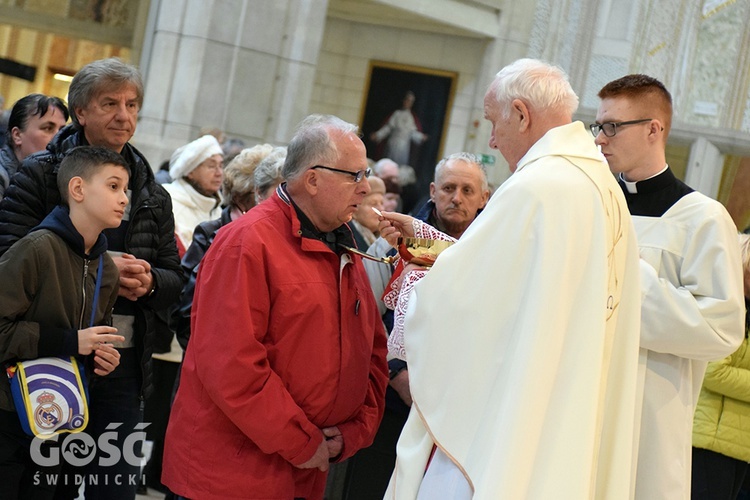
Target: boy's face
[(105, 196)]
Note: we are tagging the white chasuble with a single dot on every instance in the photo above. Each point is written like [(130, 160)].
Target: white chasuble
[(522, 339)]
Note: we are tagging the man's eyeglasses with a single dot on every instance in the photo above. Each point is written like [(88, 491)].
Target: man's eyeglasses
[(358, 175), (610, 128)]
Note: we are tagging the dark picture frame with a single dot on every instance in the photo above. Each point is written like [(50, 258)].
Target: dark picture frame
[(434, 90)]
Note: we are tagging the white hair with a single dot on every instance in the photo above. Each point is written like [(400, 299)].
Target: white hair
[(539, 84), (381, 164)]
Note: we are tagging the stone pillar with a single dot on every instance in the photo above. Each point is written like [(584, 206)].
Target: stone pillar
[(704, 168), (244, 66)]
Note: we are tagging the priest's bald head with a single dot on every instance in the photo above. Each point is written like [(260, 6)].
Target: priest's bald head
[(526, 99)]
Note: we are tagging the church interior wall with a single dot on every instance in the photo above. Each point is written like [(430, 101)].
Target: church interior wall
[(51, 54), (349, 47), (739, 188), (699, 49), (254, 68), (244, 67)]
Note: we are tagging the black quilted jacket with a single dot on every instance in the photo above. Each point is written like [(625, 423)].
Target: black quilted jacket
[(8, 166), (33, 193)]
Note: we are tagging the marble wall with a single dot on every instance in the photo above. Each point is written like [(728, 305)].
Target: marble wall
[(349, 47), (244, 66), (700, 54), (700, 49), (254, 68)]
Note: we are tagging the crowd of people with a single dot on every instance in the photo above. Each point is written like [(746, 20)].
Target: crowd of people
[(249, 312)]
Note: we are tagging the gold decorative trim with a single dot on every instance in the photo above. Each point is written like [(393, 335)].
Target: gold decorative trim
[(714, 7)]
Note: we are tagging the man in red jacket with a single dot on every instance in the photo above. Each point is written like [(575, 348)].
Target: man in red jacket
[(286, 367)]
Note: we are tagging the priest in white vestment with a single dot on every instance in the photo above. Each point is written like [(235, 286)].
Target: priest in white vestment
[(538, 306), (691, 274)]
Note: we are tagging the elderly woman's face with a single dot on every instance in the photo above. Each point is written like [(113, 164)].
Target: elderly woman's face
[(390, 202), (365, 214), (209, 174)]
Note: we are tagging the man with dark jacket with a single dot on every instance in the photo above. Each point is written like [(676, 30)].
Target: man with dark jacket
[(104, 100)]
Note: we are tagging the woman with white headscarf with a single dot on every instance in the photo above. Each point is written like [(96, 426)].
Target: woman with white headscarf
[(197, 170)]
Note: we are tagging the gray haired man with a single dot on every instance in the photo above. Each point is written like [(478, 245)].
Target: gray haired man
[(104, 99)]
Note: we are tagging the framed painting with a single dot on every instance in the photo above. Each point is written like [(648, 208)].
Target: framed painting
[(405, 114)]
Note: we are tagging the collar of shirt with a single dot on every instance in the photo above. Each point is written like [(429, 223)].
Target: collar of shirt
[(654, 183), (342, 235)]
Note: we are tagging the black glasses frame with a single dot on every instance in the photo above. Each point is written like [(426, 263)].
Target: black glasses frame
[(610, 128), (358, 175)]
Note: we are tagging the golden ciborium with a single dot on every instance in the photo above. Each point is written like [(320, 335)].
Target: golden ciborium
[(421, 251)]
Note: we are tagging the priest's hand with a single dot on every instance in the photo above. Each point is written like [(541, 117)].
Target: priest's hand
[(400, 384), (319, 460), (394, 225)]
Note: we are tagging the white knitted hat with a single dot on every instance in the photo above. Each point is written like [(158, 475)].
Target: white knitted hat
[(186, 158)]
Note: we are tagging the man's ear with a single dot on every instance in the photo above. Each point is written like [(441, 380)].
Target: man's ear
[(655, 128), (75, 189), (432, 191), (81, 115), (520, 112), (310, 179), (485, 197)]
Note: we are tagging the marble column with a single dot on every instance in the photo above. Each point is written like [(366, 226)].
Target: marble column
[(704, 168), (244, 66)]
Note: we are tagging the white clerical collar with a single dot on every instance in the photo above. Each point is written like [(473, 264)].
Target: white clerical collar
[(632, 186)]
